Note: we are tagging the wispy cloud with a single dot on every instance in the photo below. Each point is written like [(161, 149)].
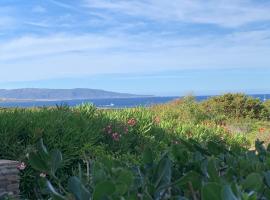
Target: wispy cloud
[(227, 13), (58, 38), (66, 54)]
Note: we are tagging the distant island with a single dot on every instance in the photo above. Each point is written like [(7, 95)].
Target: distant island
[(41, 94)]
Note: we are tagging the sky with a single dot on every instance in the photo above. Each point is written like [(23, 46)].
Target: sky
[(156, 47)]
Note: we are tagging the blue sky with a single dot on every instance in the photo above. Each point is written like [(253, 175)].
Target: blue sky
[(156, 47)]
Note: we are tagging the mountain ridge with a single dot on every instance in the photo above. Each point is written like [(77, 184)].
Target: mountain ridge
[(61, 94)]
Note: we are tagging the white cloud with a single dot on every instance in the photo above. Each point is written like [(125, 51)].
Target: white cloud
[(116, 50), (62, 55), (226, 13), (32, 46)]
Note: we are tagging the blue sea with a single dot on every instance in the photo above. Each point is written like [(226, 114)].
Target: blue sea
[(112, 103)]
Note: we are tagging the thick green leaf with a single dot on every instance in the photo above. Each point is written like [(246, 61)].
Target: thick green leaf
[(78, 189), (55, 195), (38, 163), (267, 178), (42, 148), (212, 171), (103, 190), (211, 191), (180, 154), (191, 177), (215, 148), (163, 172), (253, 182), (56, 160), (199, 148), (227, 193), (126, 177), (148, 157)]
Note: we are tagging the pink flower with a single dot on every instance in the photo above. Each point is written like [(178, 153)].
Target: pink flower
[(126, 130), (42, 175), (108, 129), (116, 136), (21, 166), (132, 122)]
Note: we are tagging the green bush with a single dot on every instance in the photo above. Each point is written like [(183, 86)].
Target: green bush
[(187, 170), (85, 134), (267, 105), (236, 106)]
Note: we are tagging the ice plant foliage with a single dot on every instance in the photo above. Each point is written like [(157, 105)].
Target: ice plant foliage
[(187, 170)]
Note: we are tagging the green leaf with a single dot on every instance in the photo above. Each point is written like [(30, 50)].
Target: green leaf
[(126, 177), (215, 148), (103, 190), (180, 154), (267, 178), (42, 148), (227, 193), (38, 163), (163, 172), (78, 189), (199, 148), (211, 191), (56, 160), (124, 181), (55, 195), (148, 157), (212, 171), (252, 182), (193, 177)]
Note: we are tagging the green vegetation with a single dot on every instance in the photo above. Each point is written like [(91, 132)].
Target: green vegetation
[(181, 150)]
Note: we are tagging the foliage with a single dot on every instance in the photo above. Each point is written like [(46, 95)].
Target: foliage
[(267, 105), (186, 171), (112, 139), (237, 106)]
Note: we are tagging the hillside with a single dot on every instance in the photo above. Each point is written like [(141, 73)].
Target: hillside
[(60, 94)]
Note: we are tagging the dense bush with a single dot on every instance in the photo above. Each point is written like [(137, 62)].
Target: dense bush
[(182, 110), (86, 134), (267, 105), (187, 170), (237, 106), (84, 131)]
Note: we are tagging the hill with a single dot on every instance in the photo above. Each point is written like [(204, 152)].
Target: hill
[(60, 94)]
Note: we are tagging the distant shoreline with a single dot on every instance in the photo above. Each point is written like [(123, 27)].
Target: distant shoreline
[(11, 100)]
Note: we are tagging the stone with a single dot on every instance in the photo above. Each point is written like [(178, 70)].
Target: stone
[(9, 178)]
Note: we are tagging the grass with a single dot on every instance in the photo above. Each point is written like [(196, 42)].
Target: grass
[(86, 133)]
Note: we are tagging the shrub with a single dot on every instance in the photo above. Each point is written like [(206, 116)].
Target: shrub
[(187, 170), (236, 106), (84, 133)]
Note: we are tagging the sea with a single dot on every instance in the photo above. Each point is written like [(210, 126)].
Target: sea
[(112, 103)]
